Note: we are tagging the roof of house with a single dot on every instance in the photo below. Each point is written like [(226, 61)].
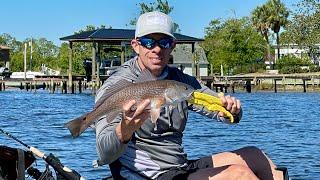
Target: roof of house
[(118, 36), (182, 54)]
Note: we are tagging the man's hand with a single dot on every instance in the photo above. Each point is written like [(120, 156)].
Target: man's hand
[(231, 104), (132, 119)]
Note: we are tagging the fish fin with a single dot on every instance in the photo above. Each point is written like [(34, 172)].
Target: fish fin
[(116, 87), (155, 105), (145, 76), (78, 125), (154, 113)]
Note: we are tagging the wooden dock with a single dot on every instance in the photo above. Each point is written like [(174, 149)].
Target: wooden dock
[(53, 84), (256, 81), (248, 82)]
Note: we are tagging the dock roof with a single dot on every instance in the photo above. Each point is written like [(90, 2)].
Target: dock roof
[(116, 36)]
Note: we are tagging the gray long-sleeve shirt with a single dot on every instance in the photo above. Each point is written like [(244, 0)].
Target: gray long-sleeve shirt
[(151, 151)]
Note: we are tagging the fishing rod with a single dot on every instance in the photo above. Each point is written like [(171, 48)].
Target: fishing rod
[(53, 161)]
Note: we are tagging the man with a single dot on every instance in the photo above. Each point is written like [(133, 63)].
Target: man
[(134, 149)]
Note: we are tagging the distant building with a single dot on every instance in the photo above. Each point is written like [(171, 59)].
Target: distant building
[(296, 50), (182, 58)]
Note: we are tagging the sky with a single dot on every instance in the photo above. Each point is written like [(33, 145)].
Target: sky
[(54, 19)]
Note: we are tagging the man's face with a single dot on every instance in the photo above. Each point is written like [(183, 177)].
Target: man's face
[(154, 58)]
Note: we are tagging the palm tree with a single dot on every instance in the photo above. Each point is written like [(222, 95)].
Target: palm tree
[(271, 15), (278, 17), (259, 18)]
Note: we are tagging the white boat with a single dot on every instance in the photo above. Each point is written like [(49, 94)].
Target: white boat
[(29, 74)]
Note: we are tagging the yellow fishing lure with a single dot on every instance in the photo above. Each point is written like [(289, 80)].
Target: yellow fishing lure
[(211, 103)]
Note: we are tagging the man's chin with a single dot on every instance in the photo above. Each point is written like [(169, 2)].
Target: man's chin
[(156, 69)]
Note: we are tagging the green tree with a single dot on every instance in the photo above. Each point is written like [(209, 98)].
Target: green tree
[(160, 5), (270, 16), (304, 27), (259, 18), (63, 58), (292, 64), (16, 51), (44, 52), (278, 18), (233, 44)]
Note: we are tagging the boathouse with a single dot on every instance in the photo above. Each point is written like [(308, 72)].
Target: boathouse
[(122, 38)]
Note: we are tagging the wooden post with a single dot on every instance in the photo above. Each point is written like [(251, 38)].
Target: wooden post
[(248, 86), (65, 87), (226, 87), (51, 86), (72, 88), (61, 86), (232, 87), (35, 85), (283, 82), (312, 81), (70, 64), (259, 83), (54, 87), (80, 87), (27, 84), (275, 85), (208, 83), (193, 66), (304, 85), (93, 77), (122, 53)]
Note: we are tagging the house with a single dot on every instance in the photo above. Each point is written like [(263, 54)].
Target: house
[(296, 50), (183, 57)]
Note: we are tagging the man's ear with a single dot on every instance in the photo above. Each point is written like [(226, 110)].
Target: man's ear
[(135, 45)]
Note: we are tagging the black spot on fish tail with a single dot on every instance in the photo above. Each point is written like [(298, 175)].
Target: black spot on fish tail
[(77, 126)]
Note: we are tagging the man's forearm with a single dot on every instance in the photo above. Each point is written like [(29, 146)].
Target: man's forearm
[(109, 146)]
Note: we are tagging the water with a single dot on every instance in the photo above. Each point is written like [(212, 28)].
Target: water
[(285, 125)]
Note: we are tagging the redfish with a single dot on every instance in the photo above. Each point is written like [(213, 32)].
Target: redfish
[(160, 92)]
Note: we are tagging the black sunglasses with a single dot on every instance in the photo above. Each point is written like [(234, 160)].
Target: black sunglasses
[(150, 43)]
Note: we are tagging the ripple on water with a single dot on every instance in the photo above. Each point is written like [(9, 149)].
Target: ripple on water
[(284, 125)]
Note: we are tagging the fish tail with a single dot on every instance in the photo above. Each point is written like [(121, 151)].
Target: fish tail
[(77, 126)]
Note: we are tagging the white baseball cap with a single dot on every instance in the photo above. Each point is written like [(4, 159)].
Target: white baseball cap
[(154, 22)]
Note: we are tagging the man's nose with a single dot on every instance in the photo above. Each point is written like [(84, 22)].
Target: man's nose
[(156, 48)]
